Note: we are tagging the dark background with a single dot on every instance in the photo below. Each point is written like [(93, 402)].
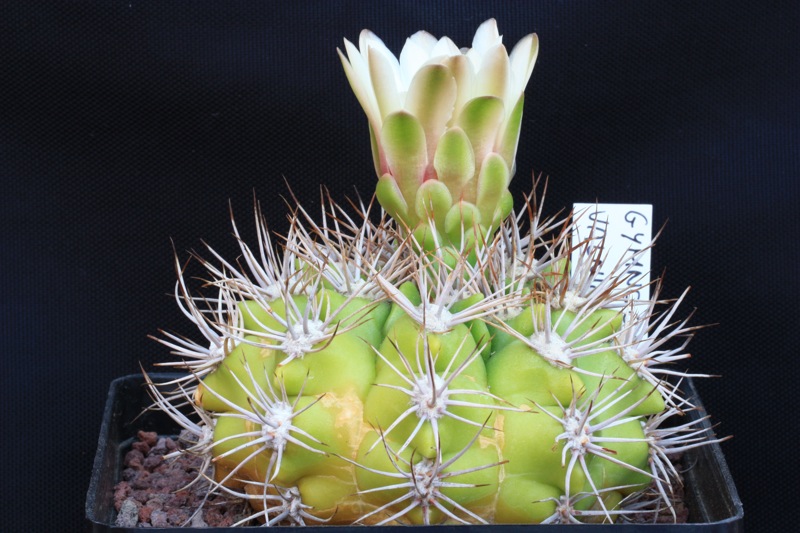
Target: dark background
[(125, 124)]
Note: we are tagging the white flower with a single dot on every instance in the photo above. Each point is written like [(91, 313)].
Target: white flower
[(444, 123)]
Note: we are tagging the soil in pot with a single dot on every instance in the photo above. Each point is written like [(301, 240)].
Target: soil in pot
[(159, 492)]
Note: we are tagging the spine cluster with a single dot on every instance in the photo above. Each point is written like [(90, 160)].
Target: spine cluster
[(348, 373)]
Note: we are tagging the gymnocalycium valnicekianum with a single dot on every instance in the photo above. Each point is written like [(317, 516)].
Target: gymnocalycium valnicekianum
[(440, 358)]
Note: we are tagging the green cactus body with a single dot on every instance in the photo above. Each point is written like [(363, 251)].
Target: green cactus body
[(423, 406)]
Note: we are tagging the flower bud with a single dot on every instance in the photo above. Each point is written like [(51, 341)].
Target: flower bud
[(444, 124)]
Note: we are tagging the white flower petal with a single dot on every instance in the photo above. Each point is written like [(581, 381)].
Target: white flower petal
[(363, 43), (522, 58), (486, 36), (494, 77), (357, 72), (424, 40), (384, 71), (367, 39), (415, 53), (475, 58), (464, 73), (445, 47)]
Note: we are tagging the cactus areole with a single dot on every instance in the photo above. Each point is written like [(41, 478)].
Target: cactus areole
[(439, 359)]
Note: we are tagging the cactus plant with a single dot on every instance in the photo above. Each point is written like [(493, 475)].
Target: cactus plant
[(440, 359)]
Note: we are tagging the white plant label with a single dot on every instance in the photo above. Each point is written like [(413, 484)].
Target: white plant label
[(625, 232)]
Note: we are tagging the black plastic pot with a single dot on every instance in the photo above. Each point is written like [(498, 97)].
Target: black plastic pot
[(711, 496)]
